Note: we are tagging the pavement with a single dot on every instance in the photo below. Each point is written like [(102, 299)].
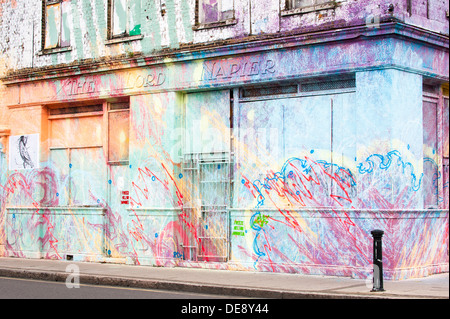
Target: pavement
[(224, 282)]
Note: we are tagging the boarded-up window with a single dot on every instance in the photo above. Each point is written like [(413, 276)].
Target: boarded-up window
[(421, 8), (207, 167), (88, 175), (207, 122), (430, 166), (276, 130), (56, 14), (125, 17), (118, 134), (60, 161), (445, 162), (210, 11), (294, 4), (297, 148), (77, 157), (81, 174), (446, 128), (77, 132)]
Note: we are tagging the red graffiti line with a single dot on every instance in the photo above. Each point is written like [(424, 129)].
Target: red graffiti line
[(296, 188), (13, 185)]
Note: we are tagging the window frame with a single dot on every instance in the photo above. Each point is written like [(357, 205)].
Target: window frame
[(75, 111), (59, 46), (431, 98), (207, 25), (123, 107)]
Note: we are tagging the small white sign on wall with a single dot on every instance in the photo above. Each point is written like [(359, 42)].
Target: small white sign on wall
[(24, 151)]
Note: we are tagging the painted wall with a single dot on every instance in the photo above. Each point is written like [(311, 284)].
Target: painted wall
[(298, 204), (303, 178)]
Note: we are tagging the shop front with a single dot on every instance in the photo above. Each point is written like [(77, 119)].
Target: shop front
[(278, 155)]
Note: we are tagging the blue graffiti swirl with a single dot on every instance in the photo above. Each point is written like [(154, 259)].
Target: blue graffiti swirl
[(385, 162)]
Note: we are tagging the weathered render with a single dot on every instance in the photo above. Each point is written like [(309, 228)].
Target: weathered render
[(269, 135)]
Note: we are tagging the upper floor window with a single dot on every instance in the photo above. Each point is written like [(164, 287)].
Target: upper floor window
[(214, 12), (304, 6), (55, 24), (294, 4), (118, 132), (124, 18)]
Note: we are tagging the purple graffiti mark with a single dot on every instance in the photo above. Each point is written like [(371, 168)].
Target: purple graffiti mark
[(137, 229), (111, 228), (211, 11), (18, 182), (437, 175), (184, 217)]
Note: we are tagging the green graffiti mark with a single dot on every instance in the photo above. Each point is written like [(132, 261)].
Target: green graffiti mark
[(136, 30), (238, 229), (261, 220)]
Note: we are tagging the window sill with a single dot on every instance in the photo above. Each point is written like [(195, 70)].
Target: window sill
[(218, 24), (124, 39), (54, 50), (330, 5)]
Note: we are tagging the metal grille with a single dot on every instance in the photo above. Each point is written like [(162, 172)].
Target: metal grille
[(427, 88), (209, 176), (271, 90), (76, 110), (119, 106), (328, 85)]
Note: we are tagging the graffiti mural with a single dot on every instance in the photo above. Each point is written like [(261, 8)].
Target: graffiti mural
[(229, 136), (209, 209)]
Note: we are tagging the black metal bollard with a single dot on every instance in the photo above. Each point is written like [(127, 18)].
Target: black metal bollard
[(377, 260)]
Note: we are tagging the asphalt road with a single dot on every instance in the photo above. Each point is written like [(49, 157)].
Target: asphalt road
[(14, 288)]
